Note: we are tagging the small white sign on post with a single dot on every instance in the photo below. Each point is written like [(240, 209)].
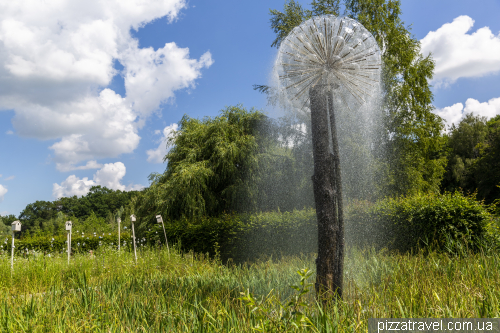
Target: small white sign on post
[(132, 220), (159, 219), (119, 220), (69, 226), (16, 226)]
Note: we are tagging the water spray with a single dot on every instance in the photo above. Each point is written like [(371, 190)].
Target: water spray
[(323, 59)]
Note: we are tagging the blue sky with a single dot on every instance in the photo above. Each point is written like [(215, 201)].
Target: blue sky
[(89, 89)]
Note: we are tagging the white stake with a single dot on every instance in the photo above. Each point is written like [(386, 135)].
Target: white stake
[(132, 220), (68, 229), (12, 255), (159, 219), (118, 220), (16, 226)]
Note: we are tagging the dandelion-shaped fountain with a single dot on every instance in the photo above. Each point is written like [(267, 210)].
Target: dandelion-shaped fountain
[(324, 58)]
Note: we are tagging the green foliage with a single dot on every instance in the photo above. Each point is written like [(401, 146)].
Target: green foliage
[(485, 171), (414, 144), (243, 237), (48, 218), (99, 200), (464, 140), (474, 147), (447, 222), (6, 224), (238, 162), (272, 315), (293, 15), (210, 167)]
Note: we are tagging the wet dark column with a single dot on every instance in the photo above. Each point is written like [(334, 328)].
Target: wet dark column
[(328, 197)]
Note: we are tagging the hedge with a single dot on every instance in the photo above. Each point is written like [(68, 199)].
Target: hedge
[(445, 222), (244, 237), (441, 221)]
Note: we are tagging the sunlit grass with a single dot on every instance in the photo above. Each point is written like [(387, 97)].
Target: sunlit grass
[(186, 293)]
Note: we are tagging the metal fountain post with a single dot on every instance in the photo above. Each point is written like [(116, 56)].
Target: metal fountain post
[(159, 219), (132, 220)]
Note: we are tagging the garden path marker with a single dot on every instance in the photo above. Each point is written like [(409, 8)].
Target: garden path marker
[(119, 221), (160, 220), (16, 226), (132, 220), (68, 229)]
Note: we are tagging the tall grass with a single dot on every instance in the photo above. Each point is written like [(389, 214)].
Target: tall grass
[(192, 293)]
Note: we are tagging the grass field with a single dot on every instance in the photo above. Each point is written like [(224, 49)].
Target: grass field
[(184, 293)]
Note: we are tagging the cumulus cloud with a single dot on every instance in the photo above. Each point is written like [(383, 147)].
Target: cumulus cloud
[(459, 54), (451, 114), (110, 176), (455, 113), (151, 77), (56, 60), (3, 190), (157, 155)]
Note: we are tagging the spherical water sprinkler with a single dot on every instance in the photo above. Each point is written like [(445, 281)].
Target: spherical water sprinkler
[(335, 53), (324, 59)]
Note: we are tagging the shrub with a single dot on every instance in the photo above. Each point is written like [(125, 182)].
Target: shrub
[(243, 237), (443, 222)]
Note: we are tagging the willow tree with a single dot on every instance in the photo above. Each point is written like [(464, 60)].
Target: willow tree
[(210, 167)]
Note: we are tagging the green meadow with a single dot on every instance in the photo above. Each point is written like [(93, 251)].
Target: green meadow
[(170, 291)]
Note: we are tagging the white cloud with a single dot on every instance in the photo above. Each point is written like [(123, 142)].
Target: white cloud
[(70, 167), (455, 113), (151, 77), (4, 213), (3, 190), (451, 114), (56, 57), (72, 186), (10, 178), (110, 176), (488, 109), (9, 132), (458, 54), (157, 155)]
